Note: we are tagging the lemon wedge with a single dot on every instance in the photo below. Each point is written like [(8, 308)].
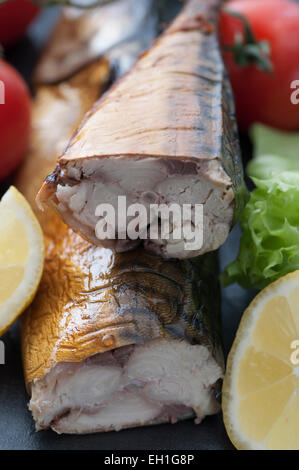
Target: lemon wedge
[(21, 256), (261, 386)]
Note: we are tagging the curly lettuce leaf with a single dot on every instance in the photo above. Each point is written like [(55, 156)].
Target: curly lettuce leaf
[(269, 246)]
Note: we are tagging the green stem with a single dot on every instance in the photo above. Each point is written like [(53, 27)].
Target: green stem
[(247, 49)]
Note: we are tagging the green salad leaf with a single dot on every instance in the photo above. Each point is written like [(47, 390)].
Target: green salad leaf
[(269, 246), (274, 152)]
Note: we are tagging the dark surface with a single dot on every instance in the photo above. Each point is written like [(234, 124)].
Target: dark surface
[(16, 424)]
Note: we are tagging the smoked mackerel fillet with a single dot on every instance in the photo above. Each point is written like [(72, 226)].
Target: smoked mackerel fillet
[(164, 134), (142, 332)]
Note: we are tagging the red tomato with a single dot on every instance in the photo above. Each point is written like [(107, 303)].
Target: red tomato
[(15, 16), (14, 118), (260, 96)]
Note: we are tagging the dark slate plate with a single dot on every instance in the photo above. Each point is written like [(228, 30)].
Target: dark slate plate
[(16, 424)]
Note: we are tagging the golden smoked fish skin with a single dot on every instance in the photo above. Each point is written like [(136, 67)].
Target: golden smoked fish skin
[(173, 101), (96, 309), (179, 109), (91, 301)]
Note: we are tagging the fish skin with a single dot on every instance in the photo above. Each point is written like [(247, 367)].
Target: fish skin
[(140, 295), (232, 158), (80, 37), (89, 294), (125, 137)]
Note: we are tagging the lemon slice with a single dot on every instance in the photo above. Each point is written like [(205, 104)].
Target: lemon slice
[(261, 386), (21, 256)]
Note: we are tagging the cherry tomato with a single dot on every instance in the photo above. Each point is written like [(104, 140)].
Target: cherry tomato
[(261, 96), (15, 16), (15, 111)]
